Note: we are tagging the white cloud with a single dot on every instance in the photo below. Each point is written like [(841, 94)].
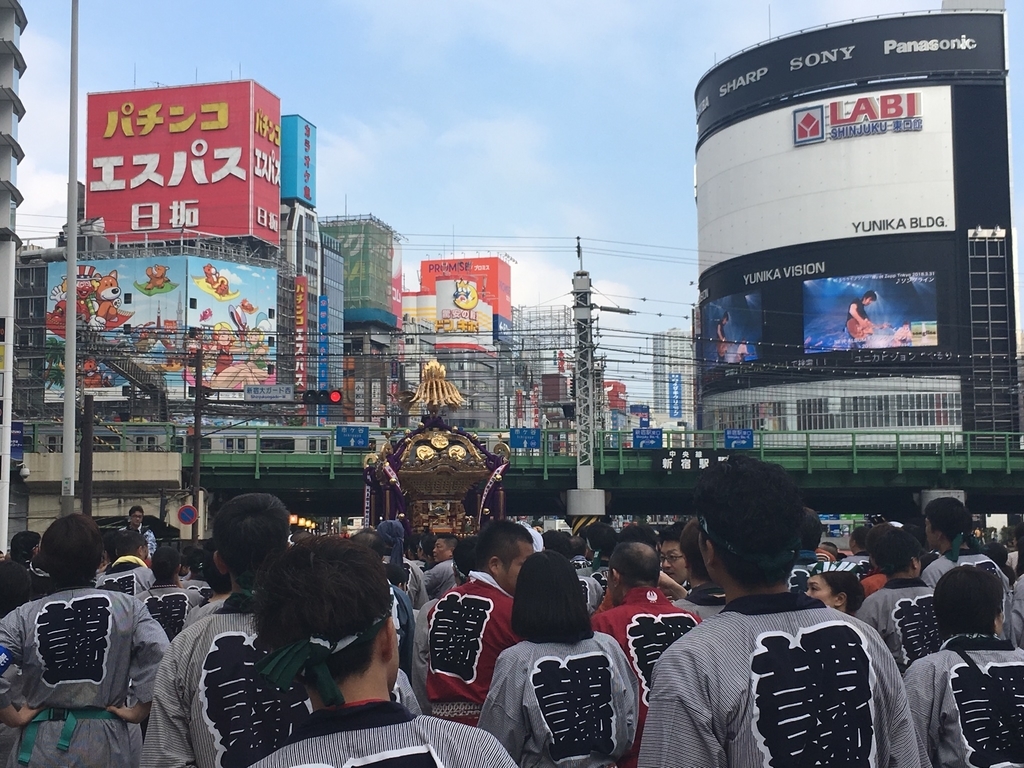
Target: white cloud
[(232, 277)]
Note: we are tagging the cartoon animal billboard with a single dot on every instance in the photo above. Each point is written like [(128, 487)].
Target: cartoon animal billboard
[(136, 314)]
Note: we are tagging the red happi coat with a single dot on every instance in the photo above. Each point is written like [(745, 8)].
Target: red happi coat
[(468, 628), (641, 629)]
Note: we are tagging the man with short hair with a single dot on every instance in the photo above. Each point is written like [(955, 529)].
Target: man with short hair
[(210, 708), (672, 562), (471, 624), (706, 598), (348, 660), (464, 561), (948, 527), (441, 577), (810, 538), (129, 572), (402, 608), (167, 601), (859, 546), (776, 678), (135, 517), (902, 611), (642, 621)]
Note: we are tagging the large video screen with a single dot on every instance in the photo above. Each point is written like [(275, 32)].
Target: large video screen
[(732, 328), (881, 311)]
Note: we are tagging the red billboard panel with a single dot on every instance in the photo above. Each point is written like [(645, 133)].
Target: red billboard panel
[(196, 158), (492, 277), (301, 296)]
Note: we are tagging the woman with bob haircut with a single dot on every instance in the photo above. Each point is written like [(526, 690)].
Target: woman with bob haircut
[(964, 698), (323, 609), (76, 691), (564, 696)]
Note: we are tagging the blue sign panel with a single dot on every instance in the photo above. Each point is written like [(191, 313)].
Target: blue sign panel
[(298, 159), (523, 437), (352, 437), (647, 439), (17, 441), (675, 395), (739, 438)]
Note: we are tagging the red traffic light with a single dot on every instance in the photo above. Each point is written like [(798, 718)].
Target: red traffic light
[(322, 397)]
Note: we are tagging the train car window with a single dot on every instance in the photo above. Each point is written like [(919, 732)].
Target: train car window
[(240, 445), (312, 445), (277, 444), (229, 445), (323, 446)]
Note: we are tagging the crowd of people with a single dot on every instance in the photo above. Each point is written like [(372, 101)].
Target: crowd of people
[(736, 638)]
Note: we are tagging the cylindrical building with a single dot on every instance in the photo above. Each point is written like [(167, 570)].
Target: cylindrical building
[(856, 254)]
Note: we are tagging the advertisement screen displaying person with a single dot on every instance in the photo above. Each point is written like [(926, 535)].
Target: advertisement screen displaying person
[(882, 311), (732, 328)]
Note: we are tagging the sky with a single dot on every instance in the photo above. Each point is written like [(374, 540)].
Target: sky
[(469, 126)]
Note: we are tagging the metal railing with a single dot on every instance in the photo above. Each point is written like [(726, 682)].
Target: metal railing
[(809, 451)]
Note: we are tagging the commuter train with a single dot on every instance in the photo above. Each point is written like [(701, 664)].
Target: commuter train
[(48, 438)]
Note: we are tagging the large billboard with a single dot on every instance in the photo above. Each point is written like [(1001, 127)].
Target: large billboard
[(939, 46), (198, 158), (846, 306), (867, 164), (884, 311), (298, 159), (492, 277), (732, 328), (138, 312)]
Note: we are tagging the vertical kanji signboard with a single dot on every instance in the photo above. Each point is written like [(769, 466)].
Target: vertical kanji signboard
[(199, 158)]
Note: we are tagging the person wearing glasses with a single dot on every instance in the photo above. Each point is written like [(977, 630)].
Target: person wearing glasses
[(672, 563)]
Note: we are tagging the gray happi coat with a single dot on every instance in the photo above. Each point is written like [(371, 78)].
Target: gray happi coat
[(554, 704), (775, 680), (79, 648)]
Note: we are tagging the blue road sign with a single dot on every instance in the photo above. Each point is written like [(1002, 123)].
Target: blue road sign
[(647, 439), (17, 441), (739, 438), (352, 437), (524, 437)]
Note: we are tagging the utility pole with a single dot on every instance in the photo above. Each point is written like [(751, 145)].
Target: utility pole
[(585, 500), (85, 458), (197, 441), (67, 488)]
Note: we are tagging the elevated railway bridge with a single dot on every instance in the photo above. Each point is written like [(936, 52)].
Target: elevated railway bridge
[(841, 471)]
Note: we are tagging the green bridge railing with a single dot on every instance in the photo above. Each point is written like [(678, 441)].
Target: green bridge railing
[(252, 451)]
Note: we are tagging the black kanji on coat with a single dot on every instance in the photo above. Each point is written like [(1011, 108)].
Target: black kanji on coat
[(919, 629), (648, 636), (812, 696), (248, 718), (73, 638), (988, 735), (125, 584), (457, 634), (170, 611), (798, 579), (575, 698)]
